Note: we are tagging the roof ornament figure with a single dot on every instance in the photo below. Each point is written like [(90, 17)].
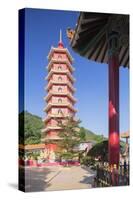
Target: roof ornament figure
[(70, 33), (60, 44)]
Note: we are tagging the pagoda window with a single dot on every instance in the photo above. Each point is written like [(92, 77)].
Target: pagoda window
[(59, 89), (59, 111), (59, 100), (60, 67), (59, 122), (59, 56), (59, 78)]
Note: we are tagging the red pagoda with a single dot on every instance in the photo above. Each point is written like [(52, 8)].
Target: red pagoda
[(60, 100)]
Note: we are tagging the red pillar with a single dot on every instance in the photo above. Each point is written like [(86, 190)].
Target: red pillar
[(114, 141)]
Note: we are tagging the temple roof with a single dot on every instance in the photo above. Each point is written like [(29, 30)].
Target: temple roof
[(89, 38), (125, 135), (31, 146)]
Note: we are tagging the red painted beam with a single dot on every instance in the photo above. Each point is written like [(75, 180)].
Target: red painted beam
[(114, 141)]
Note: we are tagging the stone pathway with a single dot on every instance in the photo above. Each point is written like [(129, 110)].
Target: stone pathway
[(58, 178)]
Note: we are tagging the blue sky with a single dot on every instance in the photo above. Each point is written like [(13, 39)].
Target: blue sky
[(42, 31)]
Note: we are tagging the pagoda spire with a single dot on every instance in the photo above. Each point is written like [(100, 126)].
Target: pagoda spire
[(60, 44), (60, 35)]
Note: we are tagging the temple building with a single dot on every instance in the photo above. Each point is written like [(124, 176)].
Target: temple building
[(60, 98)]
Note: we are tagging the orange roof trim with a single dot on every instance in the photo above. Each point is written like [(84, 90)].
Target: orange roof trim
[(31, 146)]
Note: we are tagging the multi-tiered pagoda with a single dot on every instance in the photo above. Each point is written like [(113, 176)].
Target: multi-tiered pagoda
[(60, 100)]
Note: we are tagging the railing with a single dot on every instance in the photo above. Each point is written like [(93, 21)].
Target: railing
[(113, 177)]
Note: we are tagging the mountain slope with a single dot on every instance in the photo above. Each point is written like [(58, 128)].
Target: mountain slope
[(90, 136), (29, 128)]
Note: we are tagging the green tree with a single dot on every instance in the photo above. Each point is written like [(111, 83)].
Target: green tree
[(70, 136), (82, 134), (99, 150)]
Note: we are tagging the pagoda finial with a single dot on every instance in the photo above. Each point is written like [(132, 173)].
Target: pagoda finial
[(60, 35), (60, 44)]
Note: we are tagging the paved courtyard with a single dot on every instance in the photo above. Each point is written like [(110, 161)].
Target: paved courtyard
[(58, 178)]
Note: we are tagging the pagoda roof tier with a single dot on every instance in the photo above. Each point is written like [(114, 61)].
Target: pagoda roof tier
[(60, 72), (60, 61), (60, 50), (49, 116), (53, 93), (52, 137), (49, 128), (49, 105), (52, 82)]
